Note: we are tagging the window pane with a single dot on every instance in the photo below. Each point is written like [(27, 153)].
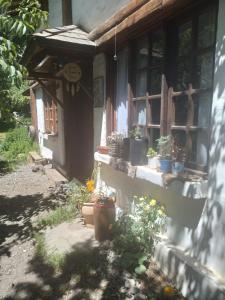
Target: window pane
[(155, 109), (181, 108), (157, 54), (141, 83), (142, 53), (154, 134), (155, 80), (204, 110), (183, 73), (141, 112), (206, 29), (185, 39), (205, 70)]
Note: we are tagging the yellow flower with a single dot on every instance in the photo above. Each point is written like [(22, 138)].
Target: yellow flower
[(152, 202), (169, 291), (90, 184), (147, 208), (161, 213), (142, 199)]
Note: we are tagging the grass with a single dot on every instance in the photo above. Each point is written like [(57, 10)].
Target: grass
[(15, 146), (55, 260), (59, 215)]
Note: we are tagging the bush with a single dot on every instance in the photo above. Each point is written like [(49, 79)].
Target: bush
[(17, 145), (136, 234)]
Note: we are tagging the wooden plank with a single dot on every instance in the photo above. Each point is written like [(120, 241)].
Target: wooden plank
[(170, 111), (119, 16), (67, 12), (150, 97), (148, 111), (130, 107), (190, 112), (148, 14), (49, 92), (164, 105), (156, 126), (191, 128), (133, 19)]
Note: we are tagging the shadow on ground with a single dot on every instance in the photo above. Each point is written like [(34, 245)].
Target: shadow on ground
[(88, 273), (16, 218)]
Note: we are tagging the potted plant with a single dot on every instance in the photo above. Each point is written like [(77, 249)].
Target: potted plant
[(153, 160), (138, 147), (115, 141), (178, 157), (165, 151)]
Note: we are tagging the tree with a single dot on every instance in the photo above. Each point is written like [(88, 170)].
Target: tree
[(18, 20)]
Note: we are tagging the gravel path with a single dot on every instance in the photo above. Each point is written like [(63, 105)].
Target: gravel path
[(24, 195), (88, 273)]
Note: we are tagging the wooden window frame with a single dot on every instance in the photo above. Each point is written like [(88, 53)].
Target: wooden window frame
[(50, 112), (167, 113)]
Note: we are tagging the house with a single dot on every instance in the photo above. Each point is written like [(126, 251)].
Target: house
[(159, 64)]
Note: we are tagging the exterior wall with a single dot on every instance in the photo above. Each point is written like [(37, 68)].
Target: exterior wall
[(99, 70), (98, 12), (55, 13), (51, 146), (196, 226)]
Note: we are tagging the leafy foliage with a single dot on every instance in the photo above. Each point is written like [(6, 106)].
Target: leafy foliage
[(136, 234), (16, 145), (17, 22)]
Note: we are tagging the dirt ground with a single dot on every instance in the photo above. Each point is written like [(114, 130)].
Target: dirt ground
[(88, 272)]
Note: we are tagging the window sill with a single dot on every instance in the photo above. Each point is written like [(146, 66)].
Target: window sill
[(50, 135), (195, 189)]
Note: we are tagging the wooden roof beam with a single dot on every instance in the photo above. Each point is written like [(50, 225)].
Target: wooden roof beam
[(148, 13), (124, 12)]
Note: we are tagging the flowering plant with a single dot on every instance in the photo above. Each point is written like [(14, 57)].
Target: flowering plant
[(136, 233)]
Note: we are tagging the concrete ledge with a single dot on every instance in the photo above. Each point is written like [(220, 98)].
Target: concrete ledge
[(195, 281), (55, 176), (190, 189)]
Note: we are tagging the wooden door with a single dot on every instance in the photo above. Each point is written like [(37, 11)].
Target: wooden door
[(78, 120)]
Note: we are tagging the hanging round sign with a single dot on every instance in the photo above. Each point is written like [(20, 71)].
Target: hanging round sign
[(72, 72)]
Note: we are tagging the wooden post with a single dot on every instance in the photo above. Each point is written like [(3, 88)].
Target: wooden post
[(171, 111), (164, 105), (190, 121)]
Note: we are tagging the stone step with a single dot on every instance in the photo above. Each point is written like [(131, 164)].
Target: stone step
[(54, 176), (34, 157)]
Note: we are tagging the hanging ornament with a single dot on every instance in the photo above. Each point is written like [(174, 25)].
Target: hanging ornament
[(115, 53), (72, 73)]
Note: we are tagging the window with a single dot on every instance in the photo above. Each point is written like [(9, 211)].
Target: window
[(182, 108), (50, 112)]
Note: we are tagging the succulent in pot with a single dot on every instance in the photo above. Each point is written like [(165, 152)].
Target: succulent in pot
[(165, 151), (153, 160), (138, 147)]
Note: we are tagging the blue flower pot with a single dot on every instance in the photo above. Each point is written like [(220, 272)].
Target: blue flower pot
[(177, 168), (165, 165)]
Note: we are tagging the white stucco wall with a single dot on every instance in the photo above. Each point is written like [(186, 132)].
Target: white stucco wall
[(91, 13), (196, 226), (99, 70), (55, 13), (45, 152)]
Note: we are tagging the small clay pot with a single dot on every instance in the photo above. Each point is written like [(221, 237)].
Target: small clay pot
[(88, 213)]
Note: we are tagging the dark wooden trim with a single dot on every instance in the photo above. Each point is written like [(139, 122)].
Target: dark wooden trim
[(48, 91), (67, 12), (119, 16)]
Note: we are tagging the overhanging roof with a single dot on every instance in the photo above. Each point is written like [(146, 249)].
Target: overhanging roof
[(65, 37), (68, 34)]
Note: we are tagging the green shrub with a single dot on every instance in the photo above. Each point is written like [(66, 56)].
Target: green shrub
[(136, 234), (16, 145)]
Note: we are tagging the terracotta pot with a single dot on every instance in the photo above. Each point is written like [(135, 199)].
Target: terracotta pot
[(88, 213), (103, 149)]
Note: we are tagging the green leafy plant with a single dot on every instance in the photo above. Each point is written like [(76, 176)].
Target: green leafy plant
[(136, 233), (135, 133), (151, 152), (16, 145), (165, 146)]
